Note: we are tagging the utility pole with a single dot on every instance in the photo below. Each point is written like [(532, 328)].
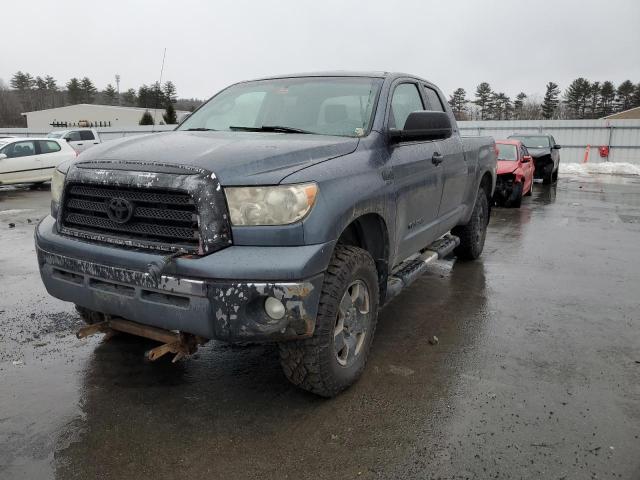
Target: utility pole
[(118, 86)]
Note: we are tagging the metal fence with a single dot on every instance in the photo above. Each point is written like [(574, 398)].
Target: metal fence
[(621, 136), (106, 133)]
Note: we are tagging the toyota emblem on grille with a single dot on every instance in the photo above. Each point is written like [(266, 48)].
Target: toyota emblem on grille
[(119, 210)]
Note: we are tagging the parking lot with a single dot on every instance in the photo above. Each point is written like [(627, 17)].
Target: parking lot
[(536, 373)]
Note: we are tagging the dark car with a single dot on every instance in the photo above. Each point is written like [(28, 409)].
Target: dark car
[(283, 210), (546, 155)]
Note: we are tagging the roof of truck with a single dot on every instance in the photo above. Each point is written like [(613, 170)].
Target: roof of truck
[(341, 73)]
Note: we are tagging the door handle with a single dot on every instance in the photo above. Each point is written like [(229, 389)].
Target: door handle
[(437, 158)]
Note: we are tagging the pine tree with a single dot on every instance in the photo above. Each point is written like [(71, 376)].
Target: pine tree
[(74, 91), (550, 102), (501, 107), (607, 99), (144, 97), (458, 102), (577, 97), (129, 97), (483, 99), (594, 99), (110, 94), (636, 96), (625, 95), (169, 91), (88, 90), (146, 118), (518, 105), (169, 115)]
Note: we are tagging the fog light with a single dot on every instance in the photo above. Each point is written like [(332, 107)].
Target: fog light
[(274, 308)]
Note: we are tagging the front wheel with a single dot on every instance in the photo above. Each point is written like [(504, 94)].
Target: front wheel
[(473, 234), (515, 199), (334, 358)]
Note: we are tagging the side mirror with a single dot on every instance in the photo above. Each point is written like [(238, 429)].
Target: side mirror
[(68, 139), (2, 156), (526, 159), (423, 125), (557, 147)]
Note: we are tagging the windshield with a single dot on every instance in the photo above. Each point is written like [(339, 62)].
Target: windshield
[(56, 134), (323, 105), (534, 142), (507, 152)]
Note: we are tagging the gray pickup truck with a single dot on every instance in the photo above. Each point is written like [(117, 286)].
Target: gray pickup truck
[(286, 209)]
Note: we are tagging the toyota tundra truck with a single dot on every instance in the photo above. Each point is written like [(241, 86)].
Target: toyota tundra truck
[(287, 209)]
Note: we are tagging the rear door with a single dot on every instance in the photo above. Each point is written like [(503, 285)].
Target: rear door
[(51, 155), (22, 163), (417, 179), (454, 166)]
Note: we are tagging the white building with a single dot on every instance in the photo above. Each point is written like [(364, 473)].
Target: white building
[(84, 114)]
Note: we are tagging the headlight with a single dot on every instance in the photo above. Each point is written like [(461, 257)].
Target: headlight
[(57, 184), (278, 205)]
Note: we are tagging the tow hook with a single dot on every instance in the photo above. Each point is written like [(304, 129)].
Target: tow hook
[(178, 343), (156, 268)]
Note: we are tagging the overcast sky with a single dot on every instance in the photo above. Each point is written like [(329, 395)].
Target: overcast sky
[(513, 44)]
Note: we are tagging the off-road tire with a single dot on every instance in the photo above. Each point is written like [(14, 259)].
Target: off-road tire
[(473, 234), (311, 364)]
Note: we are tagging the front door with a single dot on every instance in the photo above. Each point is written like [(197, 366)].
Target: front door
[(417, 179), (454, 166), (21, 163)]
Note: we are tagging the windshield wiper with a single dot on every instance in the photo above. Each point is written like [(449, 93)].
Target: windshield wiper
[(270, 128), (200, 129)]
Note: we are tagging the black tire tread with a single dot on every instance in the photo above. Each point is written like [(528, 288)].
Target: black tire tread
[(304, 362), (467, 250)]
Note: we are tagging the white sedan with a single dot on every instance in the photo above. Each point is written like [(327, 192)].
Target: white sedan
[(31, 160)]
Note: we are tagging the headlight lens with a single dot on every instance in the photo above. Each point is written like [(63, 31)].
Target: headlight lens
[(279, 205), (57, 184)]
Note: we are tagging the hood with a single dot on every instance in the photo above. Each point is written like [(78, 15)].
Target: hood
[(539, 152), (505, 166), (237, 158)]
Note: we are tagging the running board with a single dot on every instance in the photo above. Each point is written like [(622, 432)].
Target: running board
[(414, 268)]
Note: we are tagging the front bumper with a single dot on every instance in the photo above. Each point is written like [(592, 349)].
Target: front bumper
[(218, 296), (507, 188)]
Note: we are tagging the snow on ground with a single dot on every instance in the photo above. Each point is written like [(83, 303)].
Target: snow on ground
[(609, 168)]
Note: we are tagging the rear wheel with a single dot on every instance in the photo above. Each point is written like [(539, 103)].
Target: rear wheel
[(472, 235), (334, 358)]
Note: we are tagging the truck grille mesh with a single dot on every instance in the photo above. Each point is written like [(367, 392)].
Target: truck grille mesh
[(160, 217)]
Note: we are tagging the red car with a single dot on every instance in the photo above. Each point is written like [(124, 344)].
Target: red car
[(515, 173)]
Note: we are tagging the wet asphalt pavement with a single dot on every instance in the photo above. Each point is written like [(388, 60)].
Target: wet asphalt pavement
[(536, 374)]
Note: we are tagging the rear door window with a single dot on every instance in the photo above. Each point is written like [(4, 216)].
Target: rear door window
[(86, 135), (48, 146), (406, 99)]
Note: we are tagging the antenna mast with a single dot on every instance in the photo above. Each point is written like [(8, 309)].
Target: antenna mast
[(155, 112)]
